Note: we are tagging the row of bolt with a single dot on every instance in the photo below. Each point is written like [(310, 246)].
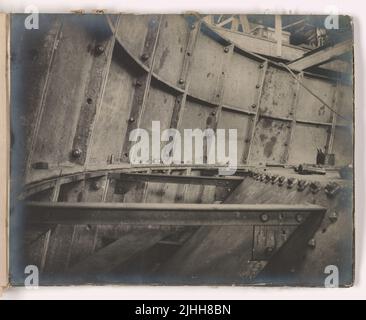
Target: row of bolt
[(331, 189)]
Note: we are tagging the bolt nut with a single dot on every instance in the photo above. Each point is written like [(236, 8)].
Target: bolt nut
[(264, 217), (333, 217), (138, 83), (145, 57), (269, 250), (95, 185), (312, 243), (76, 153), (99, 49), (299, 218)]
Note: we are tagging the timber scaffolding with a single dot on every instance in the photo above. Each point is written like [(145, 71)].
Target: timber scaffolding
[(89, 216)]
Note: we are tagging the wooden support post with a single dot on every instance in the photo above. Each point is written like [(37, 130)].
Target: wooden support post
[(278, 34)]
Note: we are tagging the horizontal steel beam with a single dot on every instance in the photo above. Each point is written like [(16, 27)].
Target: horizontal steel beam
[(177, 214), (178, 179)]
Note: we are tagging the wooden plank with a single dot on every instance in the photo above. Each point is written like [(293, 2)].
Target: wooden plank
[(263, 46), (278, 34), (66, 213), (113, 255), (244, 23), (320, 56)]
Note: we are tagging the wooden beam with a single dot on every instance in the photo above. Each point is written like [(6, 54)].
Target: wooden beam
[(118, 252), (169, 214), (244, 23), (319, 57), (278, 34), (225, 22), (179, 179)]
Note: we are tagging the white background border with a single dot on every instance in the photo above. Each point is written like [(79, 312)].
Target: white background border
[(354, 8)]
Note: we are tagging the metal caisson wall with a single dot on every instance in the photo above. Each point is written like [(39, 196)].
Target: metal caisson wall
[(173, 69), (87, 81)]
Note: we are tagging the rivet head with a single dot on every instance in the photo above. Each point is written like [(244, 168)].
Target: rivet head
[(254, 105), (193, 26), (95, 185), (226, 49), (181, 81), (76, 153), (131, 120), (99, 50), (213, 113), (264, 217), (138, 83), (145, 56), (261, 66), (258, 86), (333, 217), (269, 250), (312, 243), (299, 218)]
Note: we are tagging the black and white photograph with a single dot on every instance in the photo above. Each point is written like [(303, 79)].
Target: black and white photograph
[(185, 149)]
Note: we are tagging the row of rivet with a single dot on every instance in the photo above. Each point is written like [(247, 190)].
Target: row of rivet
[(331, 189)]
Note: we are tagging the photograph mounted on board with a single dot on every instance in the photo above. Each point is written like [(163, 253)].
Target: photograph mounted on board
[(183, 149)]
